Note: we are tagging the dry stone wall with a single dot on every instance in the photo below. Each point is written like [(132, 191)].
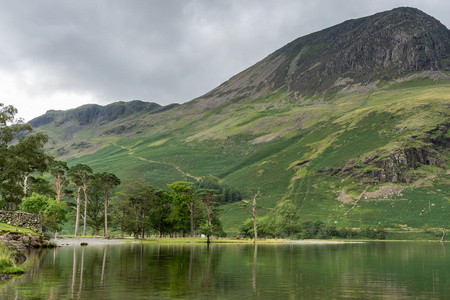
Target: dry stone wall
[(21, 219)]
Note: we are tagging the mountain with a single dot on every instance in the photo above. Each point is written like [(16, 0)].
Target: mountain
[(356, 53), (350, 123)]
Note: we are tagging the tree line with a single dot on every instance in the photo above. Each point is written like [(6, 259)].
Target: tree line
[(35, 182), (180, 210), (284, 221)]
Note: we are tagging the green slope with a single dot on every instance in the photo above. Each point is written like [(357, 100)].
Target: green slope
[(351, 123), (336, 154)]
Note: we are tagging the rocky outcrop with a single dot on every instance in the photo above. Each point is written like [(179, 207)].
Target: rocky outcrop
[(21, 219), (394, 165), (21, 241), (385, 46)]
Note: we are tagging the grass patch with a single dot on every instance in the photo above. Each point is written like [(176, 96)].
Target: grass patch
[(14, 229), (7, 263)]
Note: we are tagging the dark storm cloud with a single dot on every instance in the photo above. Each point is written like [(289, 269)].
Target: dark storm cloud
[(69, 52)]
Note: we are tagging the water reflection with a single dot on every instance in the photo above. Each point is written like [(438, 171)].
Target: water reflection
[(74, 269), (374, 270), (255, 254)]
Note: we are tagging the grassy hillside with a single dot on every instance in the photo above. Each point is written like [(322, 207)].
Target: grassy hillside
[(385, 151), (351, 123)]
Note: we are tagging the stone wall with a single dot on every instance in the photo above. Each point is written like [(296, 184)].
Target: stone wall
[(21, 219)]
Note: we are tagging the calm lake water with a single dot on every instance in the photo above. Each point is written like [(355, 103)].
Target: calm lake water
[(374, 270)]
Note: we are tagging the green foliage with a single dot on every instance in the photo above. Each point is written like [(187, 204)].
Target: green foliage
[(132, 205), (227, 194), (95, 212), (183, 206), (35, 204), (215, 229), (159, 215), (41, 186), (20, 155), (380, 232), (53, 213), (7, 262), (247, 228), (287, 218), (14, 229), (59, 171)]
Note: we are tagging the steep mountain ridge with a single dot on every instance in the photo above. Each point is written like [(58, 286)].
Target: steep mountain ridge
[(382, 47), (93, 114), (345, 113)]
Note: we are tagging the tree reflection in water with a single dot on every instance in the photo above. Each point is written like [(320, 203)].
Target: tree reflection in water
[(234, 271), (102, 278), (74, 270)]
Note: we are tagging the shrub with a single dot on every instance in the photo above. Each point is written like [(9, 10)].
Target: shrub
[(7, 262), (52, 212)]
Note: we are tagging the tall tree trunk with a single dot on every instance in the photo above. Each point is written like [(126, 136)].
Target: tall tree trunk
[(85, 212), (143, 225), (25, 186), (106, 217), (136, 228), (255, 226), (191, 209), (77, 218)]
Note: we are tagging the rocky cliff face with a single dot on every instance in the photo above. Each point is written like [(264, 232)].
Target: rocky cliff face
[(385, 46), (394, 165), (381, 47)]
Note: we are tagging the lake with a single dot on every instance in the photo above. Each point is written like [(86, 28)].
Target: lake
[(373, 270)]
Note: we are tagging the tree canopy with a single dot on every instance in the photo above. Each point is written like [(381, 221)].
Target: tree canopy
[(21, 153)]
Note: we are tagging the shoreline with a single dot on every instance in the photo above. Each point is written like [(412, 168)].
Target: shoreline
[(69, 241), (100, 241), (97, 241)]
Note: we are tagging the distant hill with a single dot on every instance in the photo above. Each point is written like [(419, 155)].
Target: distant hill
[(93, 114), (351, 123)]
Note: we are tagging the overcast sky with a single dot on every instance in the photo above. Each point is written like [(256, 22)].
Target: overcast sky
[(61, 54)]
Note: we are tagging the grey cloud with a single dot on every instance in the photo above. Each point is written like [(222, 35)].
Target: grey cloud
[(163, 51)]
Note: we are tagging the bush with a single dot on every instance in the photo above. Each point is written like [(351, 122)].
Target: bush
[(380, 232), (52, 212), (368, 232), (308, 230)]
